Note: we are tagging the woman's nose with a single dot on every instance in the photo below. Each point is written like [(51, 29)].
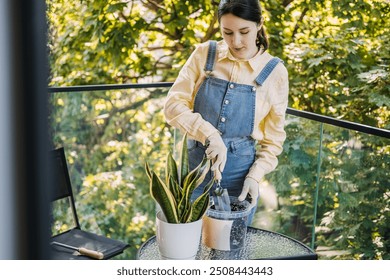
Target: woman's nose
[(236, 41)]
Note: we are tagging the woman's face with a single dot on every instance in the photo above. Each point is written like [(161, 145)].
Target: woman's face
[(240, 35)]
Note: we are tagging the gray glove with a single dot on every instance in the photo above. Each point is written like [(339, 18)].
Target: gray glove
[(251, 186), (217, 152)]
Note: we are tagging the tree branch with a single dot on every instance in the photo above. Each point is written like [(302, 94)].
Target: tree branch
[(211, 30), (287, 2), (298, 22), (153, 5), (162, 31)]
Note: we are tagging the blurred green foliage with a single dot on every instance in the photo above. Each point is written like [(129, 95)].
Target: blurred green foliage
[(353, 202), (337, 55)]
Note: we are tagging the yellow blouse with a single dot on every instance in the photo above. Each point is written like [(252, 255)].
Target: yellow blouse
[(271, 101)]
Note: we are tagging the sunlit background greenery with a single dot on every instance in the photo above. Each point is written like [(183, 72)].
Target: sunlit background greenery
[(337, 55)]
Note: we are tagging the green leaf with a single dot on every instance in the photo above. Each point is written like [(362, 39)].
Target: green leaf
[(184, 163), (171, 168), (160, 192), (183, 206), (317, 61), (116, 7), (196, 177), (148, 171), (201, 204), (192, 181), (186, 217), (174, 188), (379, 100)]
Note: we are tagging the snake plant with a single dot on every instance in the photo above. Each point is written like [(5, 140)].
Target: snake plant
[(173, 193)]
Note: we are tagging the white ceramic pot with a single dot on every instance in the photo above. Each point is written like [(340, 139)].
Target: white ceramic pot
[(177, 241)]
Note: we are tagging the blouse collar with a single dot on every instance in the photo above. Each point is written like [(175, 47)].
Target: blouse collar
[(256, 62)]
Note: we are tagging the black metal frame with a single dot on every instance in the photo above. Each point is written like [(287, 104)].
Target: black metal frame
[(59, 154)]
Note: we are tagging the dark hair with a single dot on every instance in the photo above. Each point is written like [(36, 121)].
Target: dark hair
[(248, 10)]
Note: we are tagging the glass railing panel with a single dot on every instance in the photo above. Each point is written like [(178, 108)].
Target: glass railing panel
[(354, 196), (287, 194), (108, 136)]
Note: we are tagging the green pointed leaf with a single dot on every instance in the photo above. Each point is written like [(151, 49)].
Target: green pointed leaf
[(196, 177), (171, 168), (148, 171), (160, 192), (201, 204), (184, 163), (192, 181), (204, 169), (199, 208), (174, 188), (183, 206), (175, 199), (186, 217)]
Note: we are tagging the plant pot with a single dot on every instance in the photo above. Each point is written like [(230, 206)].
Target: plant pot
[(226, 231), (177, 241)]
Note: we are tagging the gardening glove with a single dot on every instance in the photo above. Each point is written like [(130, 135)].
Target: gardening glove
[(217, 152), (251, 186)]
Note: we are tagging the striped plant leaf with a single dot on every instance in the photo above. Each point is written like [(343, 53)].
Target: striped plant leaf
[(205, 167), (161, 193), (199, 208), (171, 169), (183, 206), (174, 188), (183, 161), (174, 195), (186, 215), (196, 177), (192, 181), (201, 204), (148, 171)]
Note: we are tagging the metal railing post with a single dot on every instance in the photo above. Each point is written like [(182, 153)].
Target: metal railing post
[(313, 231)]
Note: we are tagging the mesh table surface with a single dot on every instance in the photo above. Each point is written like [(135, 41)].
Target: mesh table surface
[(259, 244)]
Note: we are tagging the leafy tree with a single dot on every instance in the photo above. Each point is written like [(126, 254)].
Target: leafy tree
[(353, 189), (95, 41)]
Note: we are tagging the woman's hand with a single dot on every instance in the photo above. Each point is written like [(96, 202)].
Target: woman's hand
[(251, 186), (217, 152)]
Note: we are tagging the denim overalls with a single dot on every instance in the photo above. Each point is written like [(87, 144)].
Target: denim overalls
[(229, 107)]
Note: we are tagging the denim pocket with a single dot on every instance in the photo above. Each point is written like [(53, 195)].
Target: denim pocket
[(244, 147)]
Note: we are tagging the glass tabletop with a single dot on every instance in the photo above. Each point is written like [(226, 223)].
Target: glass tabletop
[(259, 244)]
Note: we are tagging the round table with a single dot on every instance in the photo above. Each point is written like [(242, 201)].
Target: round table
[(259, 244)]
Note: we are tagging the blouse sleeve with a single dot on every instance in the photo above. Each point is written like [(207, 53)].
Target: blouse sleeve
[(178, 109), (272, 128)]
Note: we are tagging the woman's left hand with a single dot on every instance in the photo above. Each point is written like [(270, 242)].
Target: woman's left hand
[(251, 186)]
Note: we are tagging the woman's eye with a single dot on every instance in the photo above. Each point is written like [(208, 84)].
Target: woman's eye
[(228, 33), (246, 32)]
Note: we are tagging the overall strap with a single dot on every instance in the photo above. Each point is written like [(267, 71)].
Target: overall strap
[(267, 70), (209, 66)]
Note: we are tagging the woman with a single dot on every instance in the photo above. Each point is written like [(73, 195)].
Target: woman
[(231, 97)]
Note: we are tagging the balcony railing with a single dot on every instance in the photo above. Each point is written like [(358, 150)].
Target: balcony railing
[(330, 190)]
